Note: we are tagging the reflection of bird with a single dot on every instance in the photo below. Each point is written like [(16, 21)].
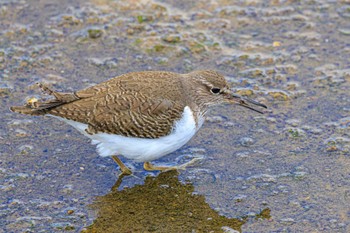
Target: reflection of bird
[(161, 204), (142, 115)]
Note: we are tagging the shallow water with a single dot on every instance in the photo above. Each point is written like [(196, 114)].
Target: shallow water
[(285, 171)]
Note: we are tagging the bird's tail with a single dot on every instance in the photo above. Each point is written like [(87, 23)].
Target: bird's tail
[(36, 107)]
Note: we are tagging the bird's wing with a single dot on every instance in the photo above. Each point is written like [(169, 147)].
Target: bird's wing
[(125, 113), (132, 105)]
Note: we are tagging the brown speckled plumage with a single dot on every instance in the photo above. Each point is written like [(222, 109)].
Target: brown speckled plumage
[(141, 115), (138, 104)]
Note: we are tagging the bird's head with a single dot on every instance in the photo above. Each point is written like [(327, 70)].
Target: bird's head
[(211, 88)]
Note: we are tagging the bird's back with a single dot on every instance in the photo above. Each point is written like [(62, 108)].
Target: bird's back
[(134, 104)]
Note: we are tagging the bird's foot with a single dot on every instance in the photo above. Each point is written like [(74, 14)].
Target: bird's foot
[(125, 170), (150, 167), (189, 163)]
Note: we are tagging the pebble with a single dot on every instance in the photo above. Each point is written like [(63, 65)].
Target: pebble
[(67, 189), (271, 119), (279, 95), (21, 175), (228, 230), (7, 188), (197, 150), (251, 214), (344, 31), (4, 91), (344, 11), (300, 175), (263, 178), (293, 122), (21, 133), (245, 92), (246, 141), (94, 33), (287, 221), (53, 79), (215, 119), (109, 62), (70, 212), (66, 226), (244, 154), (144, 18), (173, 38), (313, 130), (229, 124), (295, 203), (25, 149), (240, 198), (295, 132), (161, 60)]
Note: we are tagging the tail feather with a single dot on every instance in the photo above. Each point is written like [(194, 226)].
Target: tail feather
[(26, 109), (35, 107)]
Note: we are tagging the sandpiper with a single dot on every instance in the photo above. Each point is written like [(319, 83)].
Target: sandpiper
[(142, 116)]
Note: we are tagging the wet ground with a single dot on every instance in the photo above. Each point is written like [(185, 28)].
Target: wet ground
[(285, 171)]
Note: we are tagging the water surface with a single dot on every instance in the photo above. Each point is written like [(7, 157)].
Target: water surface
[(284, 171)]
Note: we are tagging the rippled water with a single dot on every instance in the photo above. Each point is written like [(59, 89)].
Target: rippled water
[(285, 171)]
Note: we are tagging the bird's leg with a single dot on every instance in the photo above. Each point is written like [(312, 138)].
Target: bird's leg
[(125, 170), (150, 167), (115, 187)]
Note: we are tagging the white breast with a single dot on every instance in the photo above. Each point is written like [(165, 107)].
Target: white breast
[(143, 149)]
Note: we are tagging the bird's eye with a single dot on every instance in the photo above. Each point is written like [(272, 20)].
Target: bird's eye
[(215, 90)]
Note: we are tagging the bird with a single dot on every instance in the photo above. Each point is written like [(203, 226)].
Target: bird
[(142, 116)]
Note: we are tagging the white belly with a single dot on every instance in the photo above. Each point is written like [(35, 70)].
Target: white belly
[(143, 149)]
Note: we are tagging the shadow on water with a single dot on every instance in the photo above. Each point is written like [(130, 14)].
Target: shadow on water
[(161, 204)]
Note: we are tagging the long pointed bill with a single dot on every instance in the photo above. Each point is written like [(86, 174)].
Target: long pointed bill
[(247, 103)]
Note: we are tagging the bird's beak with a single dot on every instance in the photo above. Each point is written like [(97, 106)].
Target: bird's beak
[(246, 102)]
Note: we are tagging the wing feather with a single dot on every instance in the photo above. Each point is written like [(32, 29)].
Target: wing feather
[(127, 114)]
